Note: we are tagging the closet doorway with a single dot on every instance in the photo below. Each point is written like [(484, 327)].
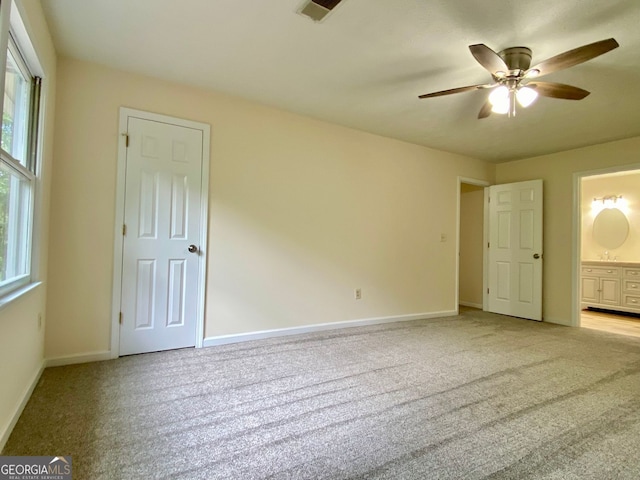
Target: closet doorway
[(471, 253)]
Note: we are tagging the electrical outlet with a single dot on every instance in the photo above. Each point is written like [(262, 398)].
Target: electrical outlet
[(357, 293)]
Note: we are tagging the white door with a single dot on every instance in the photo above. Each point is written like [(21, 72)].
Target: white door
[(161, 253), (515, 249)]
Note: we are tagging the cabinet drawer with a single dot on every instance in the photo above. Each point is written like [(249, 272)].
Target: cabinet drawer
[(602, 271), (631, 301), (632, 273), (632, 286)]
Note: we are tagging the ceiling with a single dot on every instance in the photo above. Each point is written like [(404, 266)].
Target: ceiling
[(366, 63)]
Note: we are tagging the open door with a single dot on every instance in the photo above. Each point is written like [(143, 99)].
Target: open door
[(515, 249)]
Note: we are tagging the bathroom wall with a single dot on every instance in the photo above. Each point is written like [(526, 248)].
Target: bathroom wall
[(626, 184)]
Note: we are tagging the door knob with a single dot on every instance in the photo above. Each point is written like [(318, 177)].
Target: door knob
[(536, 255), (193, 248)]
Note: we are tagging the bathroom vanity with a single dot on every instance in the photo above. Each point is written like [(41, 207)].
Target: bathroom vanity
[(611, 285)]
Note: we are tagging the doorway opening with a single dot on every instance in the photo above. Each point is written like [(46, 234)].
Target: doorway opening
[(471, 240), (608, 243), (499, 240)]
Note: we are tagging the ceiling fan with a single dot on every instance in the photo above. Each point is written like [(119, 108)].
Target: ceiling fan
[(515, 80)]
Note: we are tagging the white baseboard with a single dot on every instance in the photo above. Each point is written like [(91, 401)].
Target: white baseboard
[(26, 395), (281, 332), (78, 358), (471, 304)]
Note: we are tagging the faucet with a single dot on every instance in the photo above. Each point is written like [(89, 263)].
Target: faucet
[(606, 256)]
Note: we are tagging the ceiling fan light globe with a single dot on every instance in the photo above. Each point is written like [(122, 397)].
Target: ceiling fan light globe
[(499, 96), (501, 108), (526, 96)]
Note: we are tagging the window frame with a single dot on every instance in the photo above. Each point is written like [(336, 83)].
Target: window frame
[(22, 279), (15, 39), (21, 64)]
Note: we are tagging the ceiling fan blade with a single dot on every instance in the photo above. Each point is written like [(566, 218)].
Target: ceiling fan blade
[(485, 111), (489, 59), (558, 90), (455, 90), (574, 57)]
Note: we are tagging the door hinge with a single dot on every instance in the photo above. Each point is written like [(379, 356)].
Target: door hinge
[(120, 318), (126, 139), (488, 244), (124, 229), (487, 293)]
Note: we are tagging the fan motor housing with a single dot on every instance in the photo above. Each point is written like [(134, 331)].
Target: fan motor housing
[(516, 58)]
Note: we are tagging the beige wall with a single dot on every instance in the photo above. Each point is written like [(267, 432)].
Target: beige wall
[(21, 341), (599, 186), (471, 243), (301, 213), (557, 171)]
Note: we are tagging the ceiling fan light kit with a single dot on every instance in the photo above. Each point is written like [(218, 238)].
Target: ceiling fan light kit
[(502, 98), (515, 80)]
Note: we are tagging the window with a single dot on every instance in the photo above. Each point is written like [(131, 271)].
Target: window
[(17, 170)]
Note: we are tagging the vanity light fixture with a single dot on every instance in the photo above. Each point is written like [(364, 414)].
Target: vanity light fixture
[(607, 202)]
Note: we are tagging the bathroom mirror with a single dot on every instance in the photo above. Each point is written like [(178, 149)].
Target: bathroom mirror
[(610, 228)]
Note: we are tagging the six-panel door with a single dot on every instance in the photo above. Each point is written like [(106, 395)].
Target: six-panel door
[(515, 249), (162, 218)]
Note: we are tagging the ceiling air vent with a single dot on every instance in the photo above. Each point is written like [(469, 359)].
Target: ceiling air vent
[(316, 10)]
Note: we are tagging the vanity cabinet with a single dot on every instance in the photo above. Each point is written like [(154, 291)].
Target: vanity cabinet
[(611, 286), (631, 288)]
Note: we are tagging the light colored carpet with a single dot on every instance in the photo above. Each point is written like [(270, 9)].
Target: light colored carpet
[(474, 396)]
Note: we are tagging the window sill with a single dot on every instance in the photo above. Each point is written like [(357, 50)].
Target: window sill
[(16, 294)]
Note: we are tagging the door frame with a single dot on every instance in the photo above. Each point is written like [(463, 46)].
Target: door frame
[(480, 183), (577, 233), (125, 114)]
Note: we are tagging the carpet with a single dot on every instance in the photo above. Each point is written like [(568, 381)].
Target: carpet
[(475, 396)]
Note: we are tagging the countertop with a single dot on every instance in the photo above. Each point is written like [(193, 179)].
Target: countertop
[(604, 263)]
